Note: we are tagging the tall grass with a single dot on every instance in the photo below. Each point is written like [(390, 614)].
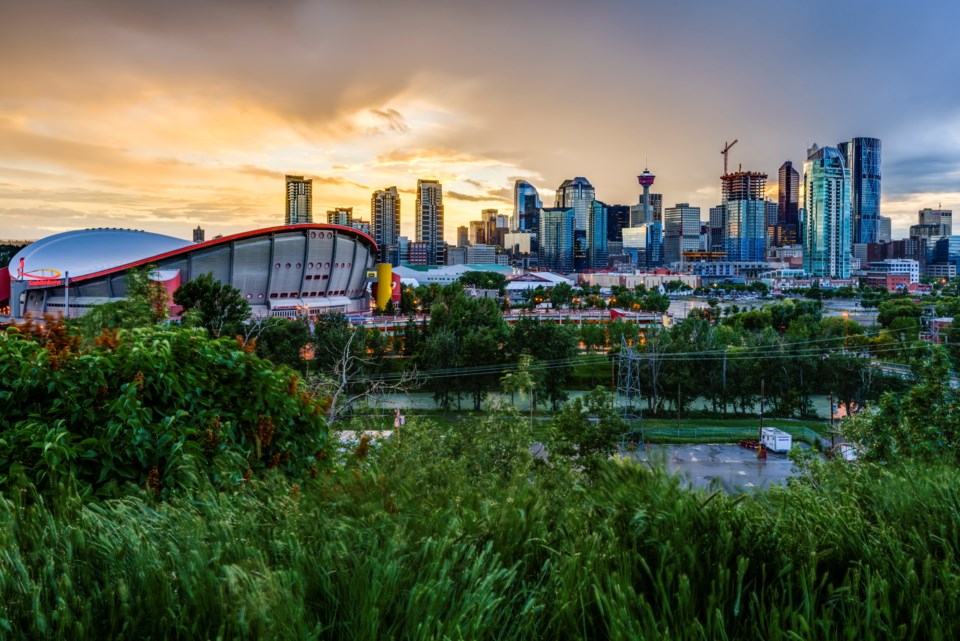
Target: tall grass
[(437, 536)]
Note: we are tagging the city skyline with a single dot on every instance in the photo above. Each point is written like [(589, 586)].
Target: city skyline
[(131, 114)]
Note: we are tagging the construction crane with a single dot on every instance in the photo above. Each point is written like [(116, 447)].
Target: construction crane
[(725, 151)]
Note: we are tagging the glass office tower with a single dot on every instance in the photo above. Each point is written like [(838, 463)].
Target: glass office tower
[(862, 157), (826, 213)]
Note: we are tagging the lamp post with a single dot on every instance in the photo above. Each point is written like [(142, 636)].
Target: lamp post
[(846, 319)]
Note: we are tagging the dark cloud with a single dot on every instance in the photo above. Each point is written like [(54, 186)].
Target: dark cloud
[(936, 172)]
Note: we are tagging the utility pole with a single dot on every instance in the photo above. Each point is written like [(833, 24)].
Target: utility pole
[(762, 381)]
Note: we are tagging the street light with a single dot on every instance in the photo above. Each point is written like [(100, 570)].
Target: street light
[(846, 319)]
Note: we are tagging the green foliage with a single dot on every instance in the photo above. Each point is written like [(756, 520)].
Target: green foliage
[(899, 308), (588, 428), (145, 304), (561, 295), (281, 340), (150, 408), (923, 424), (459, 534), (483, 280), (550, 345), (217, 307)]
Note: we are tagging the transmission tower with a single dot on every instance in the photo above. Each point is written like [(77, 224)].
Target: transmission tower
[(628, 383)]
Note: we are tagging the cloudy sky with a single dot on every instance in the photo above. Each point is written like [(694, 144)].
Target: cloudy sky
[(167, 115)]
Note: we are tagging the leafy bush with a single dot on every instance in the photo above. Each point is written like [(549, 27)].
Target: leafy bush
[(150, 407)]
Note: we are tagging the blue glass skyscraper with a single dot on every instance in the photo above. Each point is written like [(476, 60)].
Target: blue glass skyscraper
[(526, 207), (862, 156), (556, 238), (597, 235), (825, 200)]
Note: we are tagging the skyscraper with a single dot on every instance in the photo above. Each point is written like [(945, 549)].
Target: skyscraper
[(429, 220), (385, 212), (556, 238), (787, 206), (577, 193), (526, 206), (862, 158), (618, 218), (681, 232), (597, 235), (746, 213), (463, 236), (885, 232), (825, 198), (718, 227), (299, 200)]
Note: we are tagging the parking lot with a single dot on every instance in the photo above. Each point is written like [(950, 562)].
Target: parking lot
[(725, 465)]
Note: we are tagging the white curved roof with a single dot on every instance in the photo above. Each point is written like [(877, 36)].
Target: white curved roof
[(87, 251)]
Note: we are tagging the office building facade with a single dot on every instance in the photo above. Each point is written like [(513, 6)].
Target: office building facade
[(555, 238), (526, 207), (862, 157), (597, 235), (577, 194), (788, 206), (681, 232)]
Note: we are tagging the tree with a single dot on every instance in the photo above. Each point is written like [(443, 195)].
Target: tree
[(924, 423), (588, 429), (145, 304), (561, 295), (215, 306), (548, 344), (282, 340), (484, 280)]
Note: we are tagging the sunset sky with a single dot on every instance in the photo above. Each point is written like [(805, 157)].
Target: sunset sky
[(167, 115)]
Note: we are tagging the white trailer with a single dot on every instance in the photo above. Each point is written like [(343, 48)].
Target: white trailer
[(776, 440)]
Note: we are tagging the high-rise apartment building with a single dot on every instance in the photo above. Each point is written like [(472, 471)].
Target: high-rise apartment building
[(825, 199), (746, 214), (429, 220), (681, 232), (556, 238), (577, 193), (385, 215), (597, 235), (862, 158), (526, 207), (788, 206), (340, 216), (299, 200)]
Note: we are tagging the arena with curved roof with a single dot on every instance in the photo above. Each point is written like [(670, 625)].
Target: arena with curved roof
[(282, 271)]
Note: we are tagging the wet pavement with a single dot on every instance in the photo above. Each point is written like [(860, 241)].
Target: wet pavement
[(726, 465)]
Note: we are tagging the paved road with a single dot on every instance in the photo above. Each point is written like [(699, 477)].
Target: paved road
[(729, 466)]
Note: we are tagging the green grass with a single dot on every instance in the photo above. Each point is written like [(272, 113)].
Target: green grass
[(439, 535)]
